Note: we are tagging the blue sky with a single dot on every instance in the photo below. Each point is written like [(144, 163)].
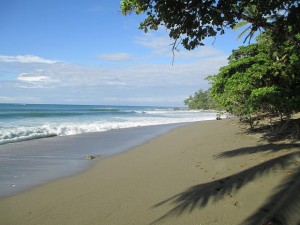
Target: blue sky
[(87, 52)]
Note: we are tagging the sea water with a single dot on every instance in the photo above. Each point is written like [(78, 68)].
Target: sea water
[(40, 143), (21, 122)]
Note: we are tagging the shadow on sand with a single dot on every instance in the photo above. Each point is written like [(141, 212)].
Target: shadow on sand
[(282, 207)]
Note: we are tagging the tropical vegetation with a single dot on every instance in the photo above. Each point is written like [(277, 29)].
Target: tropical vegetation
[(190, 22), (261, 80), (201, 99)]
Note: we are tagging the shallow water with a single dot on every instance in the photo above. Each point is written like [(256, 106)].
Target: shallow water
[(24, 165), (27, 122)]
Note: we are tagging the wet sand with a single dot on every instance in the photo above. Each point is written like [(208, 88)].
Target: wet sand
[(27, 164), (210, 172)]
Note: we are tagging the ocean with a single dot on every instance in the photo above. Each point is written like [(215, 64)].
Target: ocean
[(22, 122), (40, 143)]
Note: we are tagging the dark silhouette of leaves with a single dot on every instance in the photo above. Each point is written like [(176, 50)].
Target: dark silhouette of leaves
[(255, 149), (198, 196), (283, 207)]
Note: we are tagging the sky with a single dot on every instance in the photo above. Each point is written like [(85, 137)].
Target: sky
[(87, 52)]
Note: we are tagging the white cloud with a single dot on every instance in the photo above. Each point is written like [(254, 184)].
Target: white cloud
[(33, 78), (145, 82), (153, 100), (6, 99), (162, 46), (19, 99), (116, 56), (25, 59), (61, 75), (154, 42)]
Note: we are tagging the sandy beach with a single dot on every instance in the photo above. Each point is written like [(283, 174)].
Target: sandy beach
[(206, 173)]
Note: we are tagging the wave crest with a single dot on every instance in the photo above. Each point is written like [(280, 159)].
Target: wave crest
[(24, 133)]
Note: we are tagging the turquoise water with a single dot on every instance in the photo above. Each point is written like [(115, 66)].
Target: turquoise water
[(76, 131), (20, 122)]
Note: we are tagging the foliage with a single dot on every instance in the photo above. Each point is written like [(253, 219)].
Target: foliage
[(251, 12), (260, 78), (190, 22), (201, 100)]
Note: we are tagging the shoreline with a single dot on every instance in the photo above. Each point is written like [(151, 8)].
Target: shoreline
[(25, 165), (207, 172)]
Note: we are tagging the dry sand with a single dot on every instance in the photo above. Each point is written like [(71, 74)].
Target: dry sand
[(205, 173)]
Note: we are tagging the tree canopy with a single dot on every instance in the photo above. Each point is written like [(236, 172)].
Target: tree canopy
[(201, 100), (260, 78), (190, 22)]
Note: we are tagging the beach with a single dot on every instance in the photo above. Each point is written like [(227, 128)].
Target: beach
[(209, 172)]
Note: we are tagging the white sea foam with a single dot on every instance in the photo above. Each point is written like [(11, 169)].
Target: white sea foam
[(44, 129), (19, 123)]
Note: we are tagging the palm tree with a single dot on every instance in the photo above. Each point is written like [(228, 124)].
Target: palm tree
[(251, 12)]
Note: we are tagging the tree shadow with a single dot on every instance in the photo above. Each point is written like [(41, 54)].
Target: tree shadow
[(199, 196), (251, 150), (282, 207), (288, 129)]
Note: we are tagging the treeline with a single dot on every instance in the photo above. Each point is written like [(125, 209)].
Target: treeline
[(201, 99), (261, 79)]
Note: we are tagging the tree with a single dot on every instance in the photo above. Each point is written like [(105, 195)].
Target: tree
[(201, 100), (251, 12), (190, 22), (260, 78)]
